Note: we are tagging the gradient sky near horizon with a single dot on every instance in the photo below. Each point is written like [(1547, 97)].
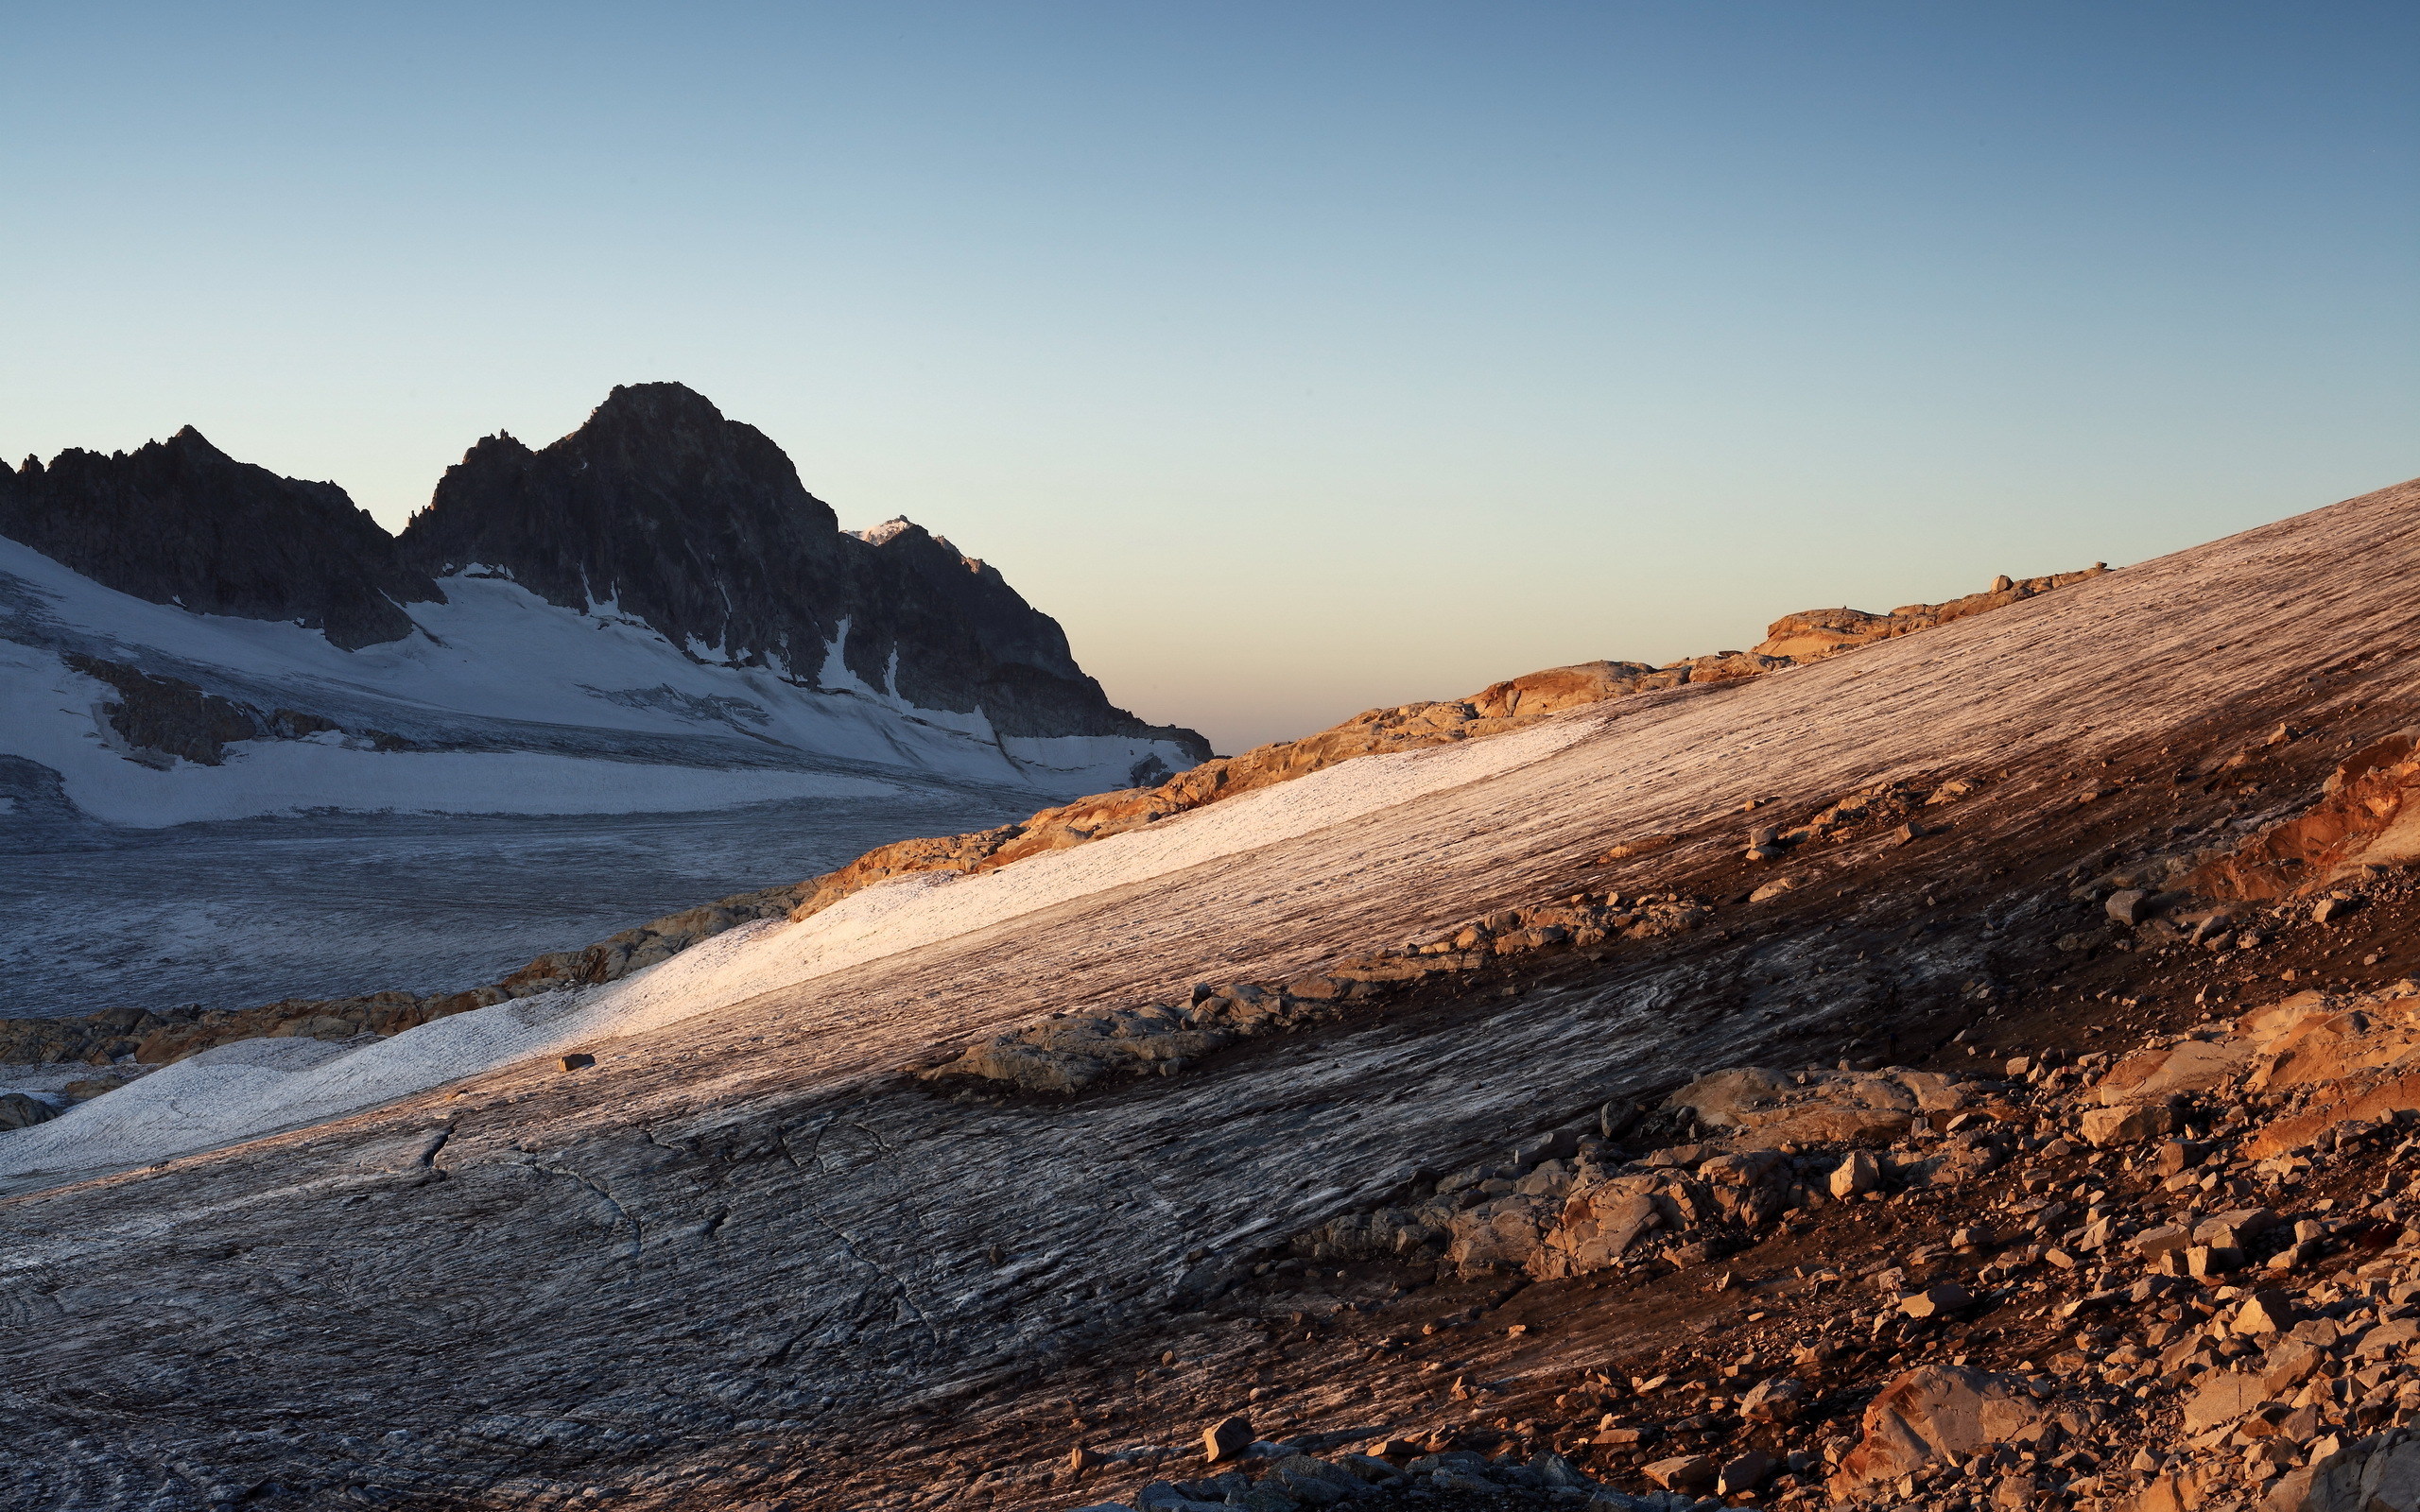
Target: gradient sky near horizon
[(1298, 358)]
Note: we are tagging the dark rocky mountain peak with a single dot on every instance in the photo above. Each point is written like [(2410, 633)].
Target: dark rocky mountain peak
[(180, 522), (699, 524)]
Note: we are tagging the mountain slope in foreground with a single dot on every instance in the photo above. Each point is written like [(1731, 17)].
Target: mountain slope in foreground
[(1628, 1106), (650, 613)]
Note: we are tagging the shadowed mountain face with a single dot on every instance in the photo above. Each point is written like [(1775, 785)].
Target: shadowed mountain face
[(659, 505), (699, 525), (180, 522)]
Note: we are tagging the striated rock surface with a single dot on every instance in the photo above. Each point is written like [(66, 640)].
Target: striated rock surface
[(752, 1256)]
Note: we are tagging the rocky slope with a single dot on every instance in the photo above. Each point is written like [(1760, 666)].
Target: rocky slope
[(1347, 1115)]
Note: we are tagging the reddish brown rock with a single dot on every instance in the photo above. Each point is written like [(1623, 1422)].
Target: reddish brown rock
[(2369, 815), (1930, 1413)]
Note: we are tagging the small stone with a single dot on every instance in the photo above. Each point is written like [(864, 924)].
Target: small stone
[(1081, 1459), (1858, 1173), (577, 1061)]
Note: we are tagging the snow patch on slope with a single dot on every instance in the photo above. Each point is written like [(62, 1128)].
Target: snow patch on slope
[(263, 777)]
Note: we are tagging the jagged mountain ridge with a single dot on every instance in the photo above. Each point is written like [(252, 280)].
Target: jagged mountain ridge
[(180, 522), (699, 525), (658, 509)]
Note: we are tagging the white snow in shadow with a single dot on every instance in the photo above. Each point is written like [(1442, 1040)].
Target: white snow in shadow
[(494, 651)]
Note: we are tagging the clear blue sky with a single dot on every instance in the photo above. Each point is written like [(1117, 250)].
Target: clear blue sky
[(1298, 357)]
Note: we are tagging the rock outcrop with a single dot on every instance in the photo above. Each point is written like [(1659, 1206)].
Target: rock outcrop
[(1816, 633), (2369, 816), (1495, 710)]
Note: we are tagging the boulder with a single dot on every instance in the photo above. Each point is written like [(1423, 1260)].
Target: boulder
[(1226, 1440), (1312, 1481), (1936, 1300), (1683, 1473), (2380, 1474), (2188, 1066), (2235, 1227), (1745, 1472), (1778, 1401), (1859, 1172), (2152, 1243), (2266, 1311), (1929, 1412), (2127, 1125), (1766, 1109), (17, 1110), (1597, 1224), (1720, 1099), (2223, 1397), (2161, 1493), (1749, 1188), (2129, 905)]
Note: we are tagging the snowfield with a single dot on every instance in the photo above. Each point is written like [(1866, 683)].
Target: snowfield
[(330, 772), (530, 709)]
